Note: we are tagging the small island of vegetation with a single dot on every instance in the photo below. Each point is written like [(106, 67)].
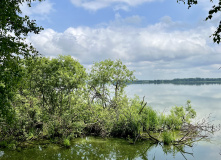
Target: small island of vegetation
[(57, 100)]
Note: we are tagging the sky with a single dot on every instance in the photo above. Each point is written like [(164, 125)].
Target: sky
[(158, 39)]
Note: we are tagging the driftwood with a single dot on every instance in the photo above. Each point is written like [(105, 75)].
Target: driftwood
[(142, 105), (192, 133)]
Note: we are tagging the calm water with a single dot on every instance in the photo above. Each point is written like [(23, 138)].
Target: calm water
[(205, 99)]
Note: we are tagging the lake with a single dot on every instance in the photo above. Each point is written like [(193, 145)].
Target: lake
[(205, 99)]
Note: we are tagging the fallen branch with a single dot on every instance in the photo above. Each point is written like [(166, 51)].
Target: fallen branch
[(153, 137)]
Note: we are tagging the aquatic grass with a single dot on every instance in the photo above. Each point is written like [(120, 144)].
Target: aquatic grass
[(66, 142)]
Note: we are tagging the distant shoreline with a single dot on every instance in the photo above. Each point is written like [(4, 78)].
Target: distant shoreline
[(181, 81)]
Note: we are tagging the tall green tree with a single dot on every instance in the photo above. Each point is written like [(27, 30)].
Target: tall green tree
[(52, 96), (106, 75), (214, 10), (13, 29), (55, 81)]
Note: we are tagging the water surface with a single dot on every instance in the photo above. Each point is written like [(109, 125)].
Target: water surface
[(91, 148)]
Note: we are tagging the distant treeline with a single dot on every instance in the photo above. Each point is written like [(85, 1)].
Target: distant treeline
[(178, 81)]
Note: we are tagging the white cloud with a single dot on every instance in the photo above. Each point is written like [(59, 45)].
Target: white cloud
[(46, 42), (38, 8), (99, 4), (128, 21), (121, 7), (153, 51)]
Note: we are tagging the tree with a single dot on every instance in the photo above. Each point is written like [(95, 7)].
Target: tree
[(55, 81), (106, 74), (13, 30), (212, 12), (51, 97)]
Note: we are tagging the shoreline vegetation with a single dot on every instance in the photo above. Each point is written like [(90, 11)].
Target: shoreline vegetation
[(181, 81), (56, 99)]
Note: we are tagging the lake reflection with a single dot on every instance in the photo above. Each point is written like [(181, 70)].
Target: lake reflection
[(90, 148)]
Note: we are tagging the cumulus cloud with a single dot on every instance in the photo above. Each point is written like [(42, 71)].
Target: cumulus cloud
[(99, 4), (154, 51), (41, 9), (135, 21)]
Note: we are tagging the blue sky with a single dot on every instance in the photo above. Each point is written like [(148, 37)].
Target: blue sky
[(159, 39)]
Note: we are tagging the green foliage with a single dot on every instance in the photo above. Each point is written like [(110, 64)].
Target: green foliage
[(128, 123), (168, 137), (59, 101), (190, 112), (133, 119), (51, 101), (66, 142), (150, 119), (177, 117), (56, 81), (13, 29), (11, 146), (3, 144), (107, 75)]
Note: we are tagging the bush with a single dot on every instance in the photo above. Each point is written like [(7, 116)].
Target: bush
[(177, 117), (3, 144), (168, 137), (66, 142)]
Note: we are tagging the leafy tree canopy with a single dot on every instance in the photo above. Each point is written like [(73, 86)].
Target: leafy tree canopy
[(13, 29), (109, 74)]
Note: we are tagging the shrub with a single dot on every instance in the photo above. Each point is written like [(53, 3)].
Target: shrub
[(66, 142), (168, 137)]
